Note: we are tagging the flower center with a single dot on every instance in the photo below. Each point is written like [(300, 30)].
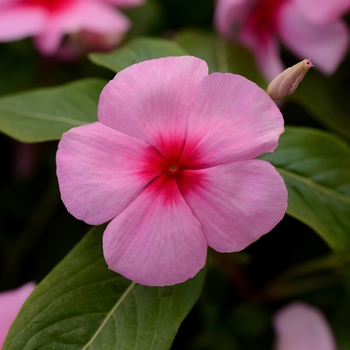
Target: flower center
[(173, 168), (49, 5), (263, 18)]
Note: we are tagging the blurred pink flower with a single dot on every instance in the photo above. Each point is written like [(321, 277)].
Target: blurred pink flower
[(299, 326), (308, 28), (10, 303), (79, 43), (49, 20), (170, 162)]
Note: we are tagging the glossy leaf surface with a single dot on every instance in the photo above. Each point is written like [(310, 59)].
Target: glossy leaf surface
[(137, 50), (45, 114), (325, 100), (316, 168), (83, 305)]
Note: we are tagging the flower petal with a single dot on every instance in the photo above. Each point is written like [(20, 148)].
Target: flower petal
[(236, 203), (156, 240), (21, 22), (100, 171), (323, 11), (151, 100), (326, 44), (299, 326), (230, 16), (266, 53), (10, 303), (232, 119), (232, 21), (92, 16)]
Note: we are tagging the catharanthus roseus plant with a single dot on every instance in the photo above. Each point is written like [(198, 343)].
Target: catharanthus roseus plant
[(307, 28), (171, 163), (49, 20)]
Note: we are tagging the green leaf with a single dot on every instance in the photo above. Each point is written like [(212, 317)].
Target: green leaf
[(326, 101), (221, 56), (45, 114), (83, 305), (136, 51), (324, 271), (315, 166)]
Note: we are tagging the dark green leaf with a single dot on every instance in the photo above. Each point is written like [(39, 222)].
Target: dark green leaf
[(45, 114), (316, 168), (326, 101), (137, 50), (221, 56), (83, 305), (324, 271)]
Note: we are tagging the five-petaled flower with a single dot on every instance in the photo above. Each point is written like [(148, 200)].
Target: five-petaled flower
[(49, 20), (10, 303), (309, 28), (170, 162)]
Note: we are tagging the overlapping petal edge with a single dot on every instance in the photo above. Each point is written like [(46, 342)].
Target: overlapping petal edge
[(170, 162)]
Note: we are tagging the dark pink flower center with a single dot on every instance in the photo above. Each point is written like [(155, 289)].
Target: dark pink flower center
[(49, 5), (263, 18), (171, 166)]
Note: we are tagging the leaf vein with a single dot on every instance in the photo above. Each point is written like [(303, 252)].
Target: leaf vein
[(317, 186)]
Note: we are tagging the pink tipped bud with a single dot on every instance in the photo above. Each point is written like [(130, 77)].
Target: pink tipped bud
[(287, 82)]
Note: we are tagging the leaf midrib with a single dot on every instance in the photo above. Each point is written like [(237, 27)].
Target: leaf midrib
[(40, 116), (110, 314), (321, 188)]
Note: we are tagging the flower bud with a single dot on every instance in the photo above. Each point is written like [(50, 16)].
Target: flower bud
[(287, 82)]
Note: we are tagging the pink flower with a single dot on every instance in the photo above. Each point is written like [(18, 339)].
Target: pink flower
[(49, 20), (10, 303), (82, 42), (299, 326), (170, 162), (309, 28)]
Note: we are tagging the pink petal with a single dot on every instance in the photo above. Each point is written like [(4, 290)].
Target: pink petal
[(323, 11), (156, 240), (232, 119), (10, 303), (230, 16), (4, 3), (21, 22), (92, 16), (266, 53), (231, 21), (236, 203), (100, 171), (151, 100), (299, 326), (326, 45)]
